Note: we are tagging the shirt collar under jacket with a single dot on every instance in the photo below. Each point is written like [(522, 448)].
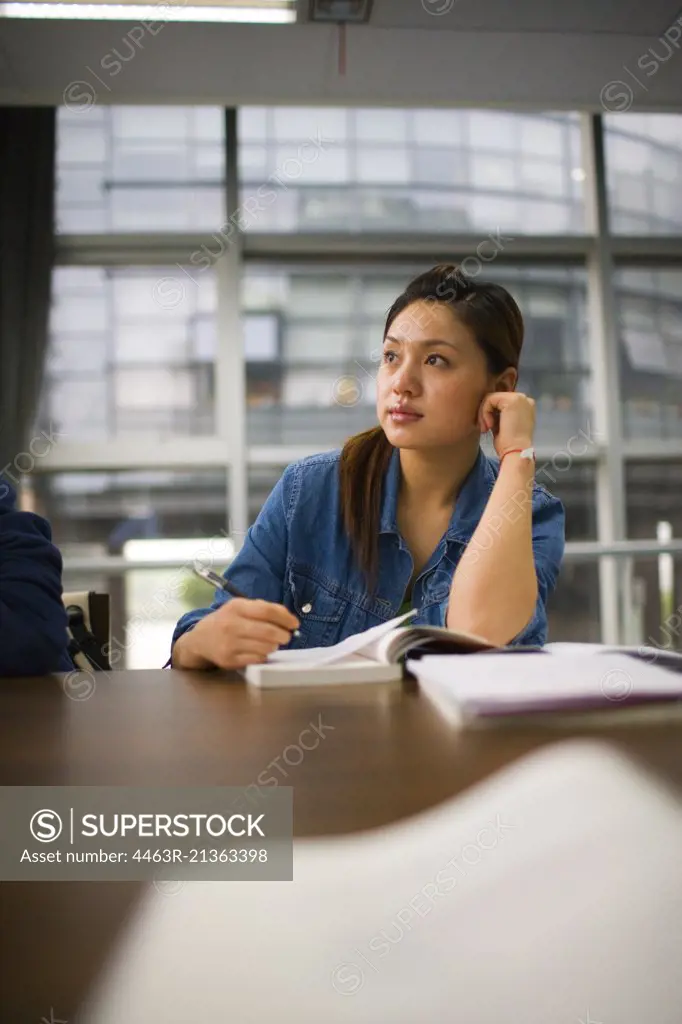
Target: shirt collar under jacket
[(471, 500)]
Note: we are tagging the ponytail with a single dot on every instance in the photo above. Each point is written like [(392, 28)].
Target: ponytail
[(364, 461)]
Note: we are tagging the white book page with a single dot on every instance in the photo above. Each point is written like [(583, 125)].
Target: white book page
[(383, 648), (401, 641), (359, 643)]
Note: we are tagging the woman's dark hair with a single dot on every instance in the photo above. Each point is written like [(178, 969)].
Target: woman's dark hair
[(495, 320)]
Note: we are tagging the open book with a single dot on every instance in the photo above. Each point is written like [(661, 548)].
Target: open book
[(379, 654), (373, 656)]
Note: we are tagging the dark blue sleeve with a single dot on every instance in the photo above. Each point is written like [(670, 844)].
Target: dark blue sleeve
[(33, 637), (258, 569)]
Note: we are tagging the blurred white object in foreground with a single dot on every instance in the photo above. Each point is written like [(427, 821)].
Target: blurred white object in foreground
[(550, 893)]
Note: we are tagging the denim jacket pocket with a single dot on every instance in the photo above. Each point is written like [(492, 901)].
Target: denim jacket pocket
[(319, 605)]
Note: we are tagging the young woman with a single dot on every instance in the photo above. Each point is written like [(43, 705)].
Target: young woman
[(410, 513)]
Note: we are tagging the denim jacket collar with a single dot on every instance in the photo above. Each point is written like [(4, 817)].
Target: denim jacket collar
[(471, 500)]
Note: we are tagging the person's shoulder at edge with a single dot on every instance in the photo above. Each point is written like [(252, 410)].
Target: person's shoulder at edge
[(33, 623), (7, 497), (12, 518)]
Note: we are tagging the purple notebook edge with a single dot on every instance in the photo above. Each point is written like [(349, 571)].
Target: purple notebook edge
[(597, 703)]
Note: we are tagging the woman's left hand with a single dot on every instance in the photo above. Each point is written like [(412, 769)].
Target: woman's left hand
[(511, 417)]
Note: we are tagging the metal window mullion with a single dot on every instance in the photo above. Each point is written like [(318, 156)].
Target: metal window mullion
[(395, 247), (109, 146), (161, 249), (603, 346), (148, 250), (111, 367), (145, 452), (230, 362), (653, 448), (577, 552)]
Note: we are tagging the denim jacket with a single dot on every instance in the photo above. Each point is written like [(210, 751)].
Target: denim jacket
[(297, 553)]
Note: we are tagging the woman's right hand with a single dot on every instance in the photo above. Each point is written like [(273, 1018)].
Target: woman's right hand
[(241, 632)]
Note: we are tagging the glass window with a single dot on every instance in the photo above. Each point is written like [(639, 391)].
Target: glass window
[(139, 169), (378, 295), (103, 510), (494, 173), (573, 611), (321, 168), (381, 125), (494, 130), (383, 165), (321, 388), (79, 404), (132, 352), (438, 127), (308, 300), (655, 606), (644, 173), (303, 124), (653, 489), (541, 176), (261, 481), (169, 513), (261, 337), (173, 391), (297, 165), (438, 165), (542, 138), (312, 343), (650, 347), (253, 124)]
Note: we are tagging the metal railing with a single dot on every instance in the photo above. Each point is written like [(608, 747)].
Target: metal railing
[(575, 551)]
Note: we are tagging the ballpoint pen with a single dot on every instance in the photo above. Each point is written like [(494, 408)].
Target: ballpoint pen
[(204, 573)]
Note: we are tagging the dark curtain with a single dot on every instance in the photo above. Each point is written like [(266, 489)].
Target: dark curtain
[(27, 186)]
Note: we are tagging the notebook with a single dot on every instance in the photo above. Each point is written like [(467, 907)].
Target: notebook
[(495, 687), (379, 655), (661, 657), (375, 655)]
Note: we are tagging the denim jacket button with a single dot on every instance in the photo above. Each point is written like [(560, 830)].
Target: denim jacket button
[(306, 608)]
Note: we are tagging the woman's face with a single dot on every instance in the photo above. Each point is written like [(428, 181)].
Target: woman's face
[(432, 379)]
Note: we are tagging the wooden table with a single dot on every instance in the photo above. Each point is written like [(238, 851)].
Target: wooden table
[(379, 753)]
